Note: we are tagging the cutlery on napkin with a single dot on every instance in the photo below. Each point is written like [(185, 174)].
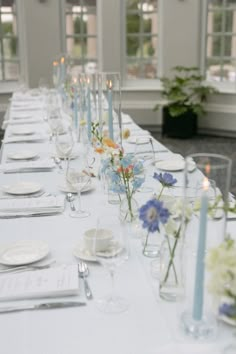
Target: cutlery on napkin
[(40, 206)]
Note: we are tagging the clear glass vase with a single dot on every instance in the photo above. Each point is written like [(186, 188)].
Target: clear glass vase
[(171, 286), (151, 244), (128, 210)]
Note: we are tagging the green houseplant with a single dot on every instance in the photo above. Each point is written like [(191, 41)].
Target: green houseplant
[(185, 94)]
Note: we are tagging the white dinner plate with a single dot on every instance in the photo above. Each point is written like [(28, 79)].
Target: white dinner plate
[(22, 155), (23, 252), (22, 188), (66, 188), (141, 139), (22, 131), (174, 165), (82, 253)]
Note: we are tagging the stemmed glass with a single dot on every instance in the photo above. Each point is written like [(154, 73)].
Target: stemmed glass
[(144, 151), (116, 253), (64, 143), (78, 177)]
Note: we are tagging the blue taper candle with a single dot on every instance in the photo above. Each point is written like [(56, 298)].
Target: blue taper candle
[(198, 300), (110, 110)]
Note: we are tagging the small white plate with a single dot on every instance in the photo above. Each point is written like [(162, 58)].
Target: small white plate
[(81, 252), (21, 188), (141, 139), (66, 188), (22, 131), (24, 252), (22, 155), (174, 165)]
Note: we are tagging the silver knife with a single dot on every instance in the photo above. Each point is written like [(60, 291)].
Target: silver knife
[(42, 306)]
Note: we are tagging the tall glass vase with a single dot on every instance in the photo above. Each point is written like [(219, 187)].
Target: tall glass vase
[(171, 279), (210, 175), (128, 209)]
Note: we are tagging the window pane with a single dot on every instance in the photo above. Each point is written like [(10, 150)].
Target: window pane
[(9, 41), (81, 31), (11, 71), (221, 43), (141, 39)]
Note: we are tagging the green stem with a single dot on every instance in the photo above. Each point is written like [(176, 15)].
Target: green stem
[(159, 196), (145, 244), (171, 261)]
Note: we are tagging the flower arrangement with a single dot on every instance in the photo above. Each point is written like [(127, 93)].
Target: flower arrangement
[(221, 263), (123, 171), (168, 214)]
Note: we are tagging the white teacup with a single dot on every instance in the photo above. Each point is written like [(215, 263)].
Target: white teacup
[(103, 237)]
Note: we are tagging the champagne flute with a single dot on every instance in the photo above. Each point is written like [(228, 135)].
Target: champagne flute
[(116, 253), (79, 177)]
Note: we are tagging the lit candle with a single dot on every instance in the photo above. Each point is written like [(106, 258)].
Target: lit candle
[(75, 103), (110, 115), (62, 69), (55, 76), (200, 266), (100, 97), (89, 110)]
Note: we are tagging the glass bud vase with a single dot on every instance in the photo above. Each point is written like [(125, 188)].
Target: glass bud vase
[(128, 210), (151, 244), (171, 286)]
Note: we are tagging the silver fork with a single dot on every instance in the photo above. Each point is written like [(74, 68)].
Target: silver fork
[(83, 273)]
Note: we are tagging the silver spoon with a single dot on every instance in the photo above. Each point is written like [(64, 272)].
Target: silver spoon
[(70, 198)]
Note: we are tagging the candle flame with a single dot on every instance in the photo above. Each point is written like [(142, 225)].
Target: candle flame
[(62, 60), (55, 63), (205, 184), (208, 169), (74, 80), (109, 84), (88, 81)]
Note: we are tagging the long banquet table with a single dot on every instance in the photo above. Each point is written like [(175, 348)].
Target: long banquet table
[(150, 326)]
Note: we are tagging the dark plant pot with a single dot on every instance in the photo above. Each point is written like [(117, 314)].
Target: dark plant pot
[(184, 126)]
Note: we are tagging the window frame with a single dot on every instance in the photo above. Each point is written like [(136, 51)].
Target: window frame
[(221, 86)]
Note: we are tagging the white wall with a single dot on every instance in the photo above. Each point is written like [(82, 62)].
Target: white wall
[(181, 30)]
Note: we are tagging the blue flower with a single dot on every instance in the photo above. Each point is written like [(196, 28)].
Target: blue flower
[(228, 310), (152, 214), (137, 182), (166, 179), (126, 160), (138, 168)]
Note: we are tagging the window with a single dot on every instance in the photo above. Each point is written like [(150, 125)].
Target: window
[(9, 56), (141, 39), (221, 41), (80, 33)]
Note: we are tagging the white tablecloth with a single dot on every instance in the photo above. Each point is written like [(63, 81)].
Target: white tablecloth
[(150, 326)]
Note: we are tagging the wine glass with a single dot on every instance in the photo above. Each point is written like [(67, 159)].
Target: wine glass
[(78, 177), (116, 253), (64, 143), (144, 151)]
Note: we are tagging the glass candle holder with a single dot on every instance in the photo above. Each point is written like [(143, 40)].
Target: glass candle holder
[(209, 175)]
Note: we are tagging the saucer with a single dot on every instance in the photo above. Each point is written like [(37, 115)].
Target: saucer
[(22, 131), (22, 188), (66, 188), (82, 253), (24, 252), (22, 155)]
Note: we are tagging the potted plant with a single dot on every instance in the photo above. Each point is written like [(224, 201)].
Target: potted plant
[(185, 94)]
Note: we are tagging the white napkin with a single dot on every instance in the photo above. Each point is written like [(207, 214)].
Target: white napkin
[(25, 138), (31, 206), (29, 166)]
